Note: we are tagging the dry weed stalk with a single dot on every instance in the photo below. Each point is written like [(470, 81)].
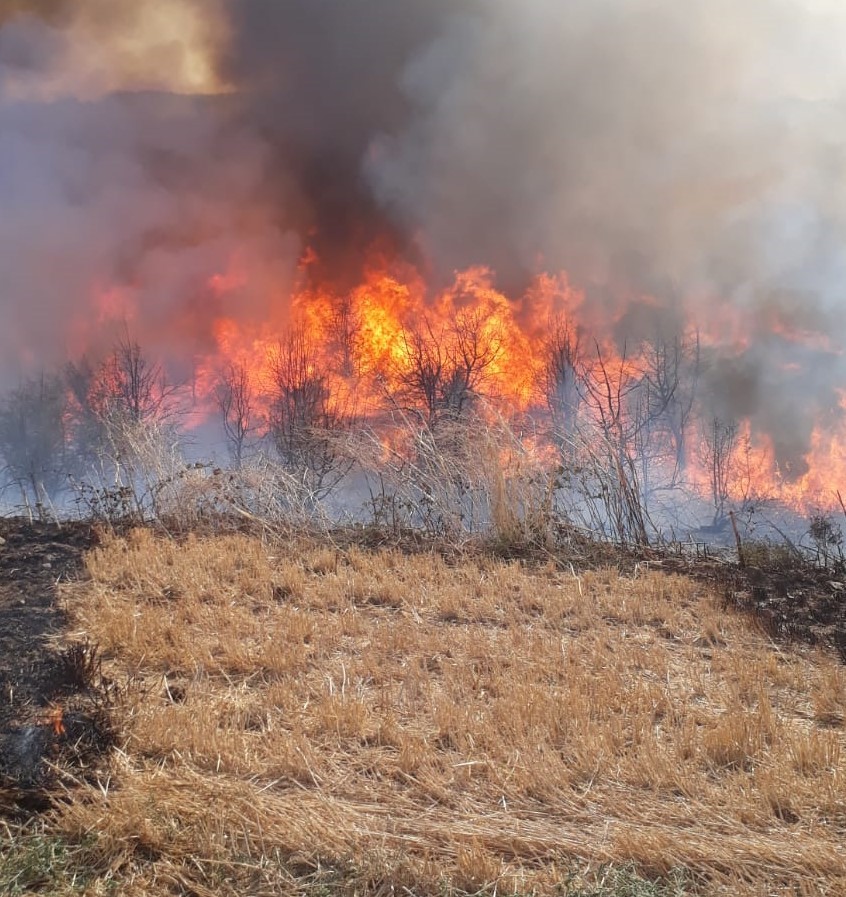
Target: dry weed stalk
[(464, 479)]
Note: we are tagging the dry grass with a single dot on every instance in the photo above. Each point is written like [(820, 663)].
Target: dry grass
[(307, 718)]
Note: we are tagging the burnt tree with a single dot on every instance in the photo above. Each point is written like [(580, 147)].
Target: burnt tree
[(443, 371), (308, 421)]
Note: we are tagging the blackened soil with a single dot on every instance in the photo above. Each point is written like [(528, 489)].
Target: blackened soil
[(800, 603), (795, 601), (34, 559), (52, 713)]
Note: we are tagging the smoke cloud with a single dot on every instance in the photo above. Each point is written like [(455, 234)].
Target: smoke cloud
[(693, 152), (689, 152), (126, 182)]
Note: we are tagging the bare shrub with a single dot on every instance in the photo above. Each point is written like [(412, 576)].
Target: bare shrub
[(125, 419), (560, 379), (343, 332), (620, 423), (33, 442), (259, 495), (239, 415), (826, 537), (671, 372), (609, 445), (308, 419), (126, 388), (521, 492), (413, 484), (134, 474), (469, 478), (443, 370), (718, 444), (81, 667)]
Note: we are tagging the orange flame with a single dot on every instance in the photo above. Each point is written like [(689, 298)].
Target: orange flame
[(364, 343), (55, 720)]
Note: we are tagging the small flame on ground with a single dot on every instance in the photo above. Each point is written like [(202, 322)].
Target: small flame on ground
[(56, 720)]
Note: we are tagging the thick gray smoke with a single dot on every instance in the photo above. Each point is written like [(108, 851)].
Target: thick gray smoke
[(694, 152), (321, 82)]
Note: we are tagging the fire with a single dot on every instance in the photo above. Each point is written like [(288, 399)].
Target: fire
[(368, 340), (55, 720), (368, 333), (257, 192)]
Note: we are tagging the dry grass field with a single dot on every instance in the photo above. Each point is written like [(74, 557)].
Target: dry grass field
[(306, 719)]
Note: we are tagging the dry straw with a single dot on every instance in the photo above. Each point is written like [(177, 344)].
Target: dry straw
[(374, 721)]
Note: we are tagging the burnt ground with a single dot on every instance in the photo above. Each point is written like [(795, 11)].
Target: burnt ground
[(33, 560), (798, 603), (51, 713)]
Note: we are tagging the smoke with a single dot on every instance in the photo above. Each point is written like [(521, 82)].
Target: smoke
[(51, 48), (690, 152), (320, 81), (126, 182), (648, 139)]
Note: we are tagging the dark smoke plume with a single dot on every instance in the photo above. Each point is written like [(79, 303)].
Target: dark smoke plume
[(320, 82)]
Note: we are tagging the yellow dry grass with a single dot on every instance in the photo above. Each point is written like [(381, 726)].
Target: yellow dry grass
[(399, 721)]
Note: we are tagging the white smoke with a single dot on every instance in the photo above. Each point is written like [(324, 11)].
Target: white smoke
[(694, 151)]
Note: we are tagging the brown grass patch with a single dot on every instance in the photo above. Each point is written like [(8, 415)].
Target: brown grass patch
[(407, 723)]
